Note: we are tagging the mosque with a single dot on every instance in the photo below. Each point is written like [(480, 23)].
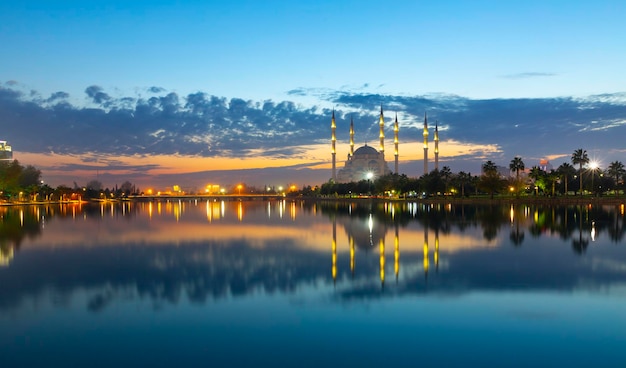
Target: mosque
[(367, 162)]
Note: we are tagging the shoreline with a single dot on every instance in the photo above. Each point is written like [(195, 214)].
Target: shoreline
[(559, 201)]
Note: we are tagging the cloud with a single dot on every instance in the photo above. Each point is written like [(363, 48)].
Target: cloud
[(528, 75), (154, 89), (57, 96), (207, 126), (96, 94)]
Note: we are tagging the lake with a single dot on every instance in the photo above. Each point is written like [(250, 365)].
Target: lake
[(293, 283)]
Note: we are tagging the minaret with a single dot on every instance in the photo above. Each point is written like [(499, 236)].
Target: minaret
[(436, 145), (425, 144), (333, 140), (395, 141), (351, 137), (382, 130)]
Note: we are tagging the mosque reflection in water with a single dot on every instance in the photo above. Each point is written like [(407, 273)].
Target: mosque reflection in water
[(369, 236), (387, 230)]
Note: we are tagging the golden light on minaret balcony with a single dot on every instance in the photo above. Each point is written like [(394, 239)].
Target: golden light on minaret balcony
[(351, 137)]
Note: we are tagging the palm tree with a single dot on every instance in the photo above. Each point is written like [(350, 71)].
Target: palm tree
[(616, 171), (552, 177), (516, 165), (566, 170), (580, 158), (446, 173), (490, 180), (463, 178), (536, 174), (490, 167)]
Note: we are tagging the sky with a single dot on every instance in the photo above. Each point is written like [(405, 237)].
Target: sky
[(195, 92)]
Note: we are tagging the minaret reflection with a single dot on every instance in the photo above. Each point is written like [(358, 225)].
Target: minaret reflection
[(334, 251), (352, 253), (396, 253), (365, 233), (425, 251), (382, 261), (436, 249)]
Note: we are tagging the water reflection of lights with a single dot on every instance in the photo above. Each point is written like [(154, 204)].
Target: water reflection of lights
[(239, 211), (370, 225), (6, 257), (382, 260), (593, 231)]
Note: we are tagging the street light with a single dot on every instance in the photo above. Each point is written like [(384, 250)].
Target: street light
[(369, 176), (239, 188)]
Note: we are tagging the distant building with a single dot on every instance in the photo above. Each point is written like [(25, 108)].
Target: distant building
[(6, 152), (545, 165)]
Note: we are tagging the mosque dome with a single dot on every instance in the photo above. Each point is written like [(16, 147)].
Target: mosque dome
[(365, 150)]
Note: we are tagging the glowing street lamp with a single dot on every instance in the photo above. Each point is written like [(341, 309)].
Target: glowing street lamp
[(239, 186)]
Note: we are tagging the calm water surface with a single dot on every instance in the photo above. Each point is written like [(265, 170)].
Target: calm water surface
[(294, 283)]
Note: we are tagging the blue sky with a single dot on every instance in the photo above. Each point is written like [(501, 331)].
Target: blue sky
[(316, 55)]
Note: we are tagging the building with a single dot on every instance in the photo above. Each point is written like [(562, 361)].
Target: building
[(367, 162), (545, 165), (6, 152)]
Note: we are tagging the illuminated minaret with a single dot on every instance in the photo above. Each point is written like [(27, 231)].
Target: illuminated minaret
[(395, 141), (351, 137), (425, 144), (333, 140), (381, 122), (436, 145)]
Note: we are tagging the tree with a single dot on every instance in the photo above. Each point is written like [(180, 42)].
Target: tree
[(94, 185), (446, 173), (580, 158), (552, 177), (490, 180), (516, 165), (537, 175), (30, 176), (126, 188), (463, 178), (616, 171), (566, 171)]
